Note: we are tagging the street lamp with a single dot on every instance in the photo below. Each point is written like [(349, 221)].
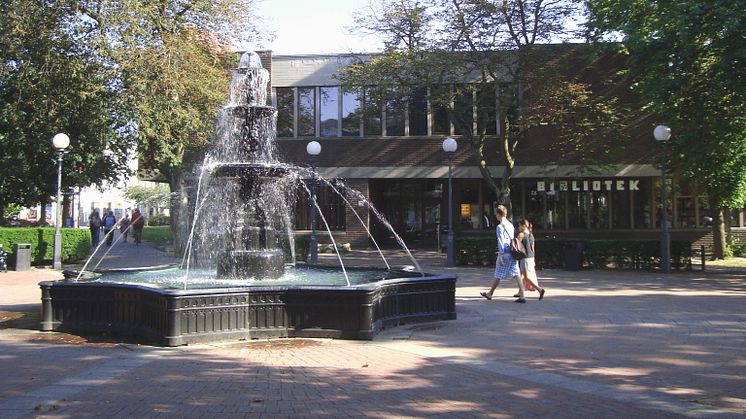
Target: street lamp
[(313, 149), (662, 133), (449, 146), (60, 143)]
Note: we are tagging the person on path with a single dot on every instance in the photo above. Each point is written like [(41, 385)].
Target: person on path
[(138, 222), (505, 265), (124, 227), (94, 223), (110, 221), (529, 280)]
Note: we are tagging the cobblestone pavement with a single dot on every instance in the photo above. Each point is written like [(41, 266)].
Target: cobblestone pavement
[(600, 344)]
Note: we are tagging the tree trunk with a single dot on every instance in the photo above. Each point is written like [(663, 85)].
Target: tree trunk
[(718, 230)]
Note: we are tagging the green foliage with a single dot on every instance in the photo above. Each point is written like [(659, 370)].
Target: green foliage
[(11, 211), (159, 220), (151, 196), (50, 82), (75, 242), (476, 47), (597, 254), (157, 235), (687, 60)]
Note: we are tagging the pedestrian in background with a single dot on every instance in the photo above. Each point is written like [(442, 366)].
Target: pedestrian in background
[(138, 222), (94, 223), (110, 221), (124, 227)]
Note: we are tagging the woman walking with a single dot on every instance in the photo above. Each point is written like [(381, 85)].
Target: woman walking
[(529, 280)]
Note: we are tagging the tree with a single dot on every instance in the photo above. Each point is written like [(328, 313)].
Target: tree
[(50, 83), (152, 196), (174, 69), (686, 57), (464, 49)]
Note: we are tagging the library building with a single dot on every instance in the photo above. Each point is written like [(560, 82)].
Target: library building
[(395, 159)]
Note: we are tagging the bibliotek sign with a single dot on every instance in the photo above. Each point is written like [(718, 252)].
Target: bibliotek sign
[(588, 185)]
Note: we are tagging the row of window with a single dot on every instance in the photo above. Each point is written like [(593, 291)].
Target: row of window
[(330, 111)]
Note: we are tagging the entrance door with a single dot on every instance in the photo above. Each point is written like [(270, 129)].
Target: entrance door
[(412, 207)]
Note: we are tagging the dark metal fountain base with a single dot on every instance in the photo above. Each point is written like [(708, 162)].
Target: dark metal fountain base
[(173, 318)]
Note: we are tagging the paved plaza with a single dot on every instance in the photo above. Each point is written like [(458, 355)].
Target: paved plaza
[(600, 344)]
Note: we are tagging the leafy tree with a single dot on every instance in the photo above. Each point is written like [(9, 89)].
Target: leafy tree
[(467, 48), (173, 64), (49, 83), (687, 58), (151, 196)]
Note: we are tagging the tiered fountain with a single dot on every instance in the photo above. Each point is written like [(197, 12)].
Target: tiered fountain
[(236, 282)]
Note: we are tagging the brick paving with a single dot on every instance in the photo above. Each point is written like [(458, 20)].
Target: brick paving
[(600, 344)]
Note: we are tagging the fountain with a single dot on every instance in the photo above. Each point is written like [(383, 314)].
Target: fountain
[(236, 281)]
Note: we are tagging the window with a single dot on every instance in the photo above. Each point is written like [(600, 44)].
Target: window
[(418, 112), (306, 111), (464, 109), (578, 209), (285, 100), (620, 204), (350, 114), (332, 207), (372, 108), (440, 99), (599, 209), (329, 112), (486, 112), (395, 117), (642, 205)]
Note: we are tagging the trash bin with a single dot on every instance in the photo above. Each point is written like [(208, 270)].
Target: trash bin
[(22, 252), (573, 255)]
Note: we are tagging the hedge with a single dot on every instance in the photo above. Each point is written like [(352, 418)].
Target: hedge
[(75, 243), (157, 235), (597, 254)]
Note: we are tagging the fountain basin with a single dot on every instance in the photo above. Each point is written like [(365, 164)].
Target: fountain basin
[(172, 317)]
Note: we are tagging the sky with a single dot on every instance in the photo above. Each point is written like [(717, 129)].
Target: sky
[(313, 26)]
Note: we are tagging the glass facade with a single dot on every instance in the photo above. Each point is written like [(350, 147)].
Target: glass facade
[(417, 112), (329, 111), (285, 101), (317, 111), (350, 114), (306, 111)]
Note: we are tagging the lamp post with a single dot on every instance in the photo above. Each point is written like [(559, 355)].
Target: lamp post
[(449, 146), (60, 143), (662, 133), (313, 148)]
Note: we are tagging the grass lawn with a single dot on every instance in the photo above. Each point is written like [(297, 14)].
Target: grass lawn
[(735, 262)]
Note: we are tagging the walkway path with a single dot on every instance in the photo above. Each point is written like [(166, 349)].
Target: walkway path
[(600, 344)]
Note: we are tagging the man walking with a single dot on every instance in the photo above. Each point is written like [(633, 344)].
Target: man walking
[(505, 265)]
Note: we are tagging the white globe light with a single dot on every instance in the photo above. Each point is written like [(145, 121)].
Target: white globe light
[(662, 133), (61, 141), (450, 145), (313, 148)]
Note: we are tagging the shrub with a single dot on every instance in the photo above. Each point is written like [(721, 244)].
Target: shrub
[(159, 220), (157, 235), (75, 243), (597, 254)]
